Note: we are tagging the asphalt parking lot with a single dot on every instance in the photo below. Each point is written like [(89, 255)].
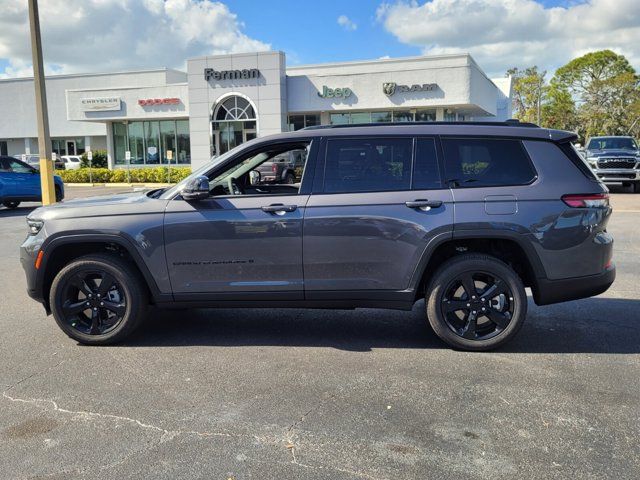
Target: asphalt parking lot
[(364, 394)]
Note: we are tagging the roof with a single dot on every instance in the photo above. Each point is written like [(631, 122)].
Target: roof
[(480, 129)]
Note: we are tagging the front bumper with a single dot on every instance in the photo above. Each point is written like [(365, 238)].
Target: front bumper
[(617, 175), (556, 291), (28, 254)]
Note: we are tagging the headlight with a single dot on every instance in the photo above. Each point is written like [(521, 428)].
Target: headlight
[(34, 226)]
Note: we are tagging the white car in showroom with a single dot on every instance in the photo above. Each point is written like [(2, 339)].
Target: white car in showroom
[(71, 162)]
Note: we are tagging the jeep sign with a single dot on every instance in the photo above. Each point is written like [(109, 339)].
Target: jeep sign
[(334, 92)]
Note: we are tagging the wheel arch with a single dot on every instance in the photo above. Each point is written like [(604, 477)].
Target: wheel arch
[(509, 247), (63, 248)]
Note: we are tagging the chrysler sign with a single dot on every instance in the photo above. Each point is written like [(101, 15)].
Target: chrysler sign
[(247, 73), (389, 88), (101, 104)]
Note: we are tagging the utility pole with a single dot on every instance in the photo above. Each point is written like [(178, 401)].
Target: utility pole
[(42, 115)]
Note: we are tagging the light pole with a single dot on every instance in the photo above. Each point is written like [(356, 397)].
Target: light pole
[(42, 115)]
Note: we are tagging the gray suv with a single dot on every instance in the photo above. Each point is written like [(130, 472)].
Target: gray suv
[(464, 216)]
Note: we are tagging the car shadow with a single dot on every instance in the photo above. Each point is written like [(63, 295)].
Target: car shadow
[(594, 325), (16, 212)]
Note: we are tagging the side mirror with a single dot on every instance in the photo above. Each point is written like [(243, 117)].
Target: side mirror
[(254, 177), (196, 189)]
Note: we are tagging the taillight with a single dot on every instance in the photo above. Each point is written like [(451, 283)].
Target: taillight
[(597, 200), (274, 168)]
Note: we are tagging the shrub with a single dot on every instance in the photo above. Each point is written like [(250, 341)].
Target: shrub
[(136, 175), (99, 159)]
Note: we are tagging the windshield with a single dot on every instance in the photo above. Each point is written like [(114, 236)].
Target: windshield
[(201, 171), (612, 143)]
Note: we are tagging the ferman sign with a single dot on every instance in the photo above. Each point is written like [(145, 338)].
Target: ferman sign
[(100, 104), (245, 74), (390, 88)]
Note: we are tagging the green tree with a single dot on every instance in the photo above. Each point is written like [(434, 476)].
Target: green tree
[(559, 109), (528, 93), (605, 87)]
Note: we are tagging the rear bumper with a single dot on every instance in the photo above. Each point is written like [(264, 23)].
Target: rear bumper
[(555, 291)]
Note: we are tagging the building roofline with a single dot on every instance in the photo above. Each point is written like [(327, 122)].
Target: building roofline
[(96, 74), (384, 60)]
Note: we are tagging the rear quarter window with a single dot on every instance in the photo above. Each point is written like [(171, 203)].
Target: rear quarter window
[(486, 162)]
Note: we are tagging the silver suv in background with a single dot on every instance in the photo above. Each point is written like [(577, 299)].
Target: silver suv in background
[(615, 160)]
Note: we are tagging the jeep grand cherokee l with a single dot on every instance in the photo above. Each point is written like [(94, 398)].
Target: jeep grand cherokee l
[(463, 215)]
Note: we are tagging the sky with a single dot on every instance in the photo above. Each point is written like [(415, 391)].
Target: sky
[(110, 35)]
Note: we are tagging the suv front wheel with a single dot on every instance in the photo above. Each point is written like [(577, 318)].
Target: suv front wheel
[(98, 299), (476, 302)]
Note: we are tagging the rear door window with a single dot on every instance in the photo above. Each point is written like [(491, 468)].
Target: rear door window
[(368, 164), (426, 173), (486, 162)]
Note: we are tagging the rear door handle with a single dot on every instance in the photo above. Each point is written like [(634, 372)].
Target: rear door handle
[(424, 204), (279, 208)]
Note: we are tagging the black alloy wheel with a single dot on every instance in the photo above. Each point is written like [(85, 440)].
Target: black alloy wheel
[(98, 299), (94, 302), (477, 305), (476, 302)]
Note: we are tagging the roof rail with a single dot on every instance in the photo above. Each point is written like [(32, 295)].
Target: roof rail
[(506, 123)]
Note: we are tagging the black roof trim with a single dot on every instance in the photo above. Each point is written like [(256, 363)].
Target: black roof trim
[(507, 123)]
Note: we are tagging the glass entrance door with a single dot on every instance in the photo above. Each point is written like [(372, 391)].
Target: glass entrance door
[(71, 147), (233, 123)]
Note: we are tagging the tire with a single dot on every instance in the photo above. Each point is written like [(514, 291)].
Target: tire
[(635, 187), (58, 194), (290, 179), (11, 205), (75, 287), (505, 311)]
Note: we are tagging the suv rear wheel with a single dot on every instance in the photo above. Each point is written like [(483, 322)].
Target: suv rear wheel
[(476, 302), (11, 204), (98, 299)]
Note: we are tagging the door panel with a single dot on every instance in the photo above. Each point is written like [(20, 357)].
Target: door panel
[(370, 241), (229, 244)]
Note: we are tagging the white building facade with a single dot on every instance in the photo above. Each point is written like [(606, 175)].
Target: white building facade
[(160, 117)]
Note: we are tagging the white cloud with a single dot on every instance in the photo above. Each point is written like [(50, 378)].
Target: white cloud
[(106, 35), (502, 34), (346, 23)]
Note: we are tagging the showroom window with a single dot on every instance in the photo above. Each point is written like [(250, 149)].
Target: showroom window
[(150, 141), (395, 116), (297, 122)]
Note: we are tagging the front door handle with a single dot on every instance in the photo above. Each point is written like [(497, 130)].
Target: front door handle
[(279, 208), (424, 204)]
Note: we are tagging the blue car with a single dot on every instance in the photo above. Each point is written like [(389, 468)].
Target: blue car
[(20, 182)]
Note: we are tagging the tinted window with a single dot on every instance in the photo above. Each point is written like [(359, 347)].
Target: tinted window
[(426, 174), (475, 162), (368, 164), (17, 166)]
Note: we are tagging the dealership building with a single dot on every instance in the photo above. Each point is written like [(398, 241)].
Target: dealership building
[(165, 116)]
